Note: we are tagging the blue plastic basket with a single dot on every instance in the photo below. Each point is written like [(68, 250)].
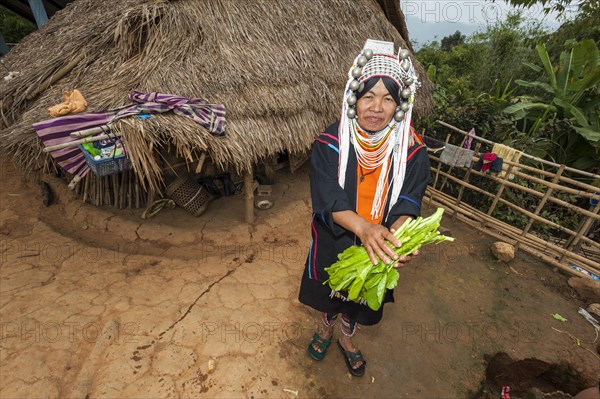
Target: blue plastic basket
[(106, 166)]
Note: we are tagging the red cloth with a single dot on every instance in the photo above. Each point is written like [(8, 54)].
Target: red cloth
[(488, 158)]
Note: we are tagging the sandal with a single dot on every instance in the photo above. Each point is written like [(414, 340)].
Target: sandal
[(352, 358), (320, 343)]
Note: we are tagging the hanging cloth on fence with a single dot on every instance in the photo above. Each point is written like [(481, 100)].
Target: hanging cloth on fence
[(509, 153), (456, 156), (58, 130), (489, 161), (469, 139)]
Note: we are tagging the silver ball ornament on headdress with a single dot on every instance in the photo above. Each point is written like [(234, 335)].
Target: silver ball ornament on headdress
[(405, 65), (406, 93), (362, 61), (409, 81), (404, 54), (356, 72), (354, 85), (404, 106), (398, 116), (368, 53), (361, 87), (351, 100), (351, 113)]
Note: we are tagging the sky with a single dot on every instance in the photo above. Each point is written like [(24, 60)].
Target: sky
[(429, 20)]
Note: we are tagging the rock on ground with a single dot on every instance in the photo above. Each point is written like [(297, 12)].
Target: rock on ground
[(503, 251), (587, 288)]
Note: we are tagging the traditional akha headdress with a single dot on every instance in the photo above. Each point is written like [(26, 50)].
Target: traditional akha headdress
[(378, 59)]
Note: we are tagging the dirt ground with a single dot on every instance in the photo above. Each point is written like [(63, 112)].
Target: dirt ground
[(98, 303)]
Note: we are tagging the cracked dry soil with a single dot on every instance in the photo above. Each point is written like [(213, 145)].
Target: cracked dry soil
[(97, 303)]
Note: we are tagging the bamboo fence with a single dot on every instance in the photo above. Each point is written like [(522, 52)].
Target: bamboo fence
[(540, 233)]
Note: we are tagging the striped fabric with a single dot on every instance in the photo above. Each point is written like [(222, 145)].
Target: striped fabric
[(57, 130), (210, 116)]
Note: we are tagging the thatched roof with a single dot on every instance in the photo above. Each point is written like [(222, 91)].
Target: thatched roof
[(277, 65)]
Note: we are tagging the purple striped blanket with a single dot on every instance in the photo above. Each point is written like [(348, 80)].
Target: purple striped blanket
[(58, 130)]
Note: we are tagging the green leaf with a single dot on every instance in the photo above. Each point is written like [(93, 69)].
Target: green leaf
[(585, 57), (381, 289), (526, 106), (364, 271), (564, 69), (537, 85), (545, 58), (372, 299), (355, 288), (587, 82), (431, 72), (354, 272), (392, 277), (573, 110), (589, 134), (345, 283), (373, 281), (535, 68), (559, 317)]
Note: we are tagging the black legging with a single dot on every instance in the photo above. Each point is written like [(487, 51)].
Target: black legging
[(348, 327)]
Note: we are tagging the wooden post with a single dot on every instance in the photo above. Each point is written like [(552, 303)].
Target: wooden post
[(543, 200), (130, 184), (3, 46), (200, 163), (583, 230), (499, 192), (151, 197), (249, 195), (269, 172), (39, 12), (466, 179), (437, 172)]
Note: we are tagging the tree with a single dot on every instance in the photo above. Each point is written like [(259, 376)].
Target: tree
[(13, 27), (453, 40), (568, 104), (560, 6)]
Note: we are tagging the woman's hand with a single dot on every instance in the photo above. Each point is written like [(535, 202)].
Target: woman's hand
[(402, 260), (375, 238)]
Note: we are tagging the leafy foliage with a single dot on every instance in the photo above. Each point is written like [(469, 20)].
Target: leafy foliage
[(355, 274), (548, 82), (559, 6), (565, 104), (13, 27), (453, 40), (474, 79), (551, 99)]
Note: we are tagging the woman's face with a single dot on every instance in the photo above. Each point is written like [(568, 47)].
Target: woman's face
[(376, 108)]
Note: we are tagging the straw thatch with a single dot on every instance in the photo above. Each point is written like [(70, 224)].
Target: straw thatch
[(277, 65)]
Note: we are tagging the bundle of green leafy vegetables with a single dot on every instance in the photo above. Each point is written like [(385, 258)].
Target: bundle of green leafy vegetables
[(355, 273)]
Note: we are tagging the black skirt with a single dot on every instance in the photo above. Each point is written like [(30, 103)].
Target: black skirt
[(318, 296)]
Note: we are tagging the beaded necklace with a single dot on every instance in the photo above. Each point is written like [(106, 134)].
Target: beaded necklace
[(373, 150)]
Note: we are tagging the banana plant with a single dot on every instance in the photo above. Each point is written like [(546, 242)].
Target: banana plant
[(569, 94)]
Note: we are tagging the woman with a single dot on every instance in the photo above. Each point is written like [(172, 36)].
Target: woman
[(369, 172)]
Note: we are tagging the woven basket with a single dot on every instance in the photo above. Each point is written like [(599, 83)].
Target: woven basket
[(107, 166), (190, 195)]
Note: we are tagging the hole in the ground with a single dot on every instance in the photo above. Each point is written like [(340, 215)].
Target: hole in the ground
[(529, 378)]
